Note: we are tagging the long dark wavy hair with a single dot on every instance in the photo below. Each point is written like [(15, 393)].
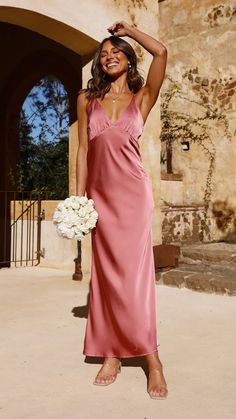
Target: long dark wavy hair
[(100, 83)]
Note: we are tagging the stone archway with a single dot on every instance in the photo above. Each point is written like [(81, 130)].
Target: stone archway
[(76, 27), (41, 22), (28, 56), (35, 44), (30, 69)]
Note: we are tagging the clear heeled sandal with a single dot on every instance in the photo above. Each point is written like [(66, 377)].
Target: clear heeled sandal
[(112, 376), (155, 396)]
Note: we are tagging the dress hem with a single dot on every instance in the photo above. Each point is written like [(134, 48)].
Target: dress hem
[(121, 356)]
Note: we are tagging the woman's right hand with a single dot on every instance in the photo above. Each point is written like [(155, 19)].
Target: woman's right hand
[(120, 28)]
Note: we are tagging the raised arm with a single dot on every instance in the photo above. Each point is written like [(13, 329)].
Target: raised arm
[(157, 68), (81, 158)]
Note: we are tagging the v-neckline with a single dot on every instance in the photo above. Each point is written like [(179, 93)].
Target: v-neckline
[(119, 117)]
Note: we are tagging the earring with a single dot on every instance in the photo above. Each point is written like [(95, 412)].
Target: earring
[(129, 66)]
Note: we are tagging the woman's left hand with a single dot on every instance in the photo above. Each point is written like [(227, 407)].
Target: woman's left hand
[(120, 28)]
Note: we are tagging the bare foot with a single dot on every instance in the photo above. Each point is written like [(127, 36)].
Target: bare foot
[(157, 387), (108, 372)]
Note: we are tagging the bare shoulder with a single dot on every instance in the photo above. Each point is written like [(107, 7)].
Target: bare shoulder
[(82, 100)]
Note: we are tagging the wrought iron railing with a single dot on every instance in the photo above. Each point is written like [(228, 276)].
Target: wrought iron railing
[(20, 228)]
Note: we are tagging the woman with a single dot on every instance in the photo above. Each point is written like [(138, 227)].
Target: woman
[(111, 114)]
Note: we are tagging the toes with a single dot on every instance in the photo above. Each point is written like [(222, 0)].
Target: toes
[(109, 379), (154, 393), (163, 392), (157, 391), (105, 379)]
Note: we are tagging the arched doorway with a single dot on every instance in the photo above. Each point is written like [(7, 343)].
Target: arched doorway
[(29, 56), (43, 60)]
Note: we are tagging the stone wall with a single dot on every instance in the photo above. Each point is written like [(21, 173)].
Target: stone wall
[(186, 224), (73, 25), (198, 102), (77, 27)]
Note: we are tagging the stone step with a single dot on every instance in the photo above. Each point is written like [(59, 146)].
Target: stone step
[(225, 268), (199, 280), (211, 252)]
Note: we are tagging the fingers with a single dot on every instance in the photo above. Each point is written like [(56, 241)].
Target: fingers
[(116, 27), (118, 22), (113, 29)]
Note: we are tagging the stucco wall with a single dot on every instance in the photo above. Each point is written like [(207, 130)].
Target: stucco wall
[(79, 26), (200, 36), (202, 58)]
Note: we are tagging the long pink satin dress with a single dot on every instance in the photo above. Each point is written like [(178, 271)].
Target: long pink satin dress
[(122, 307)]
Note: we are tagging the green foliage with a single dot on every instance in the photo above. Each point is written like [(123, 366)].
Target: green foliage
[(43, 140), (182, 126)]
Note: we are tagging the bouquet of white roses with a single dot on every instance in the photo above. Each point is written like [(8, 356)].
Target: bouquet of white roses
[(75, 217)]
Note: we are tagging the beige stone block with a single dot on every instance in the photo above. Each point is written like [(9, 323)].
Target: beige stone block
[(172, 192), (200, 282), (174, 277), (224, 285)]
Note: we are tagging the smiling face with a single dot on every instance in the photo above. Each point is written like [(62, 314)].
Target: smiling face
[(113, 61)]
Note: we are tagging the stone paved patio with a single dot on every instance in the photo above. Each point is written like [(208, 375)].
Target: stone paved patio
[(45, 376)]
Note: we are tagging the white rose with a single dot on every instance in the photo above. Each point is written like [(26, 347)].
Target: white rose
[(77, 229), (67, 202), (62, 229), (83, 200), (82, 212), (79, 236), (68, 221), (94, 215), (70, 234), (75, 204), (91, 223), (89, 207), (82, 227), (74, 219), (60, 206), (57, 217), (86, 231)]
